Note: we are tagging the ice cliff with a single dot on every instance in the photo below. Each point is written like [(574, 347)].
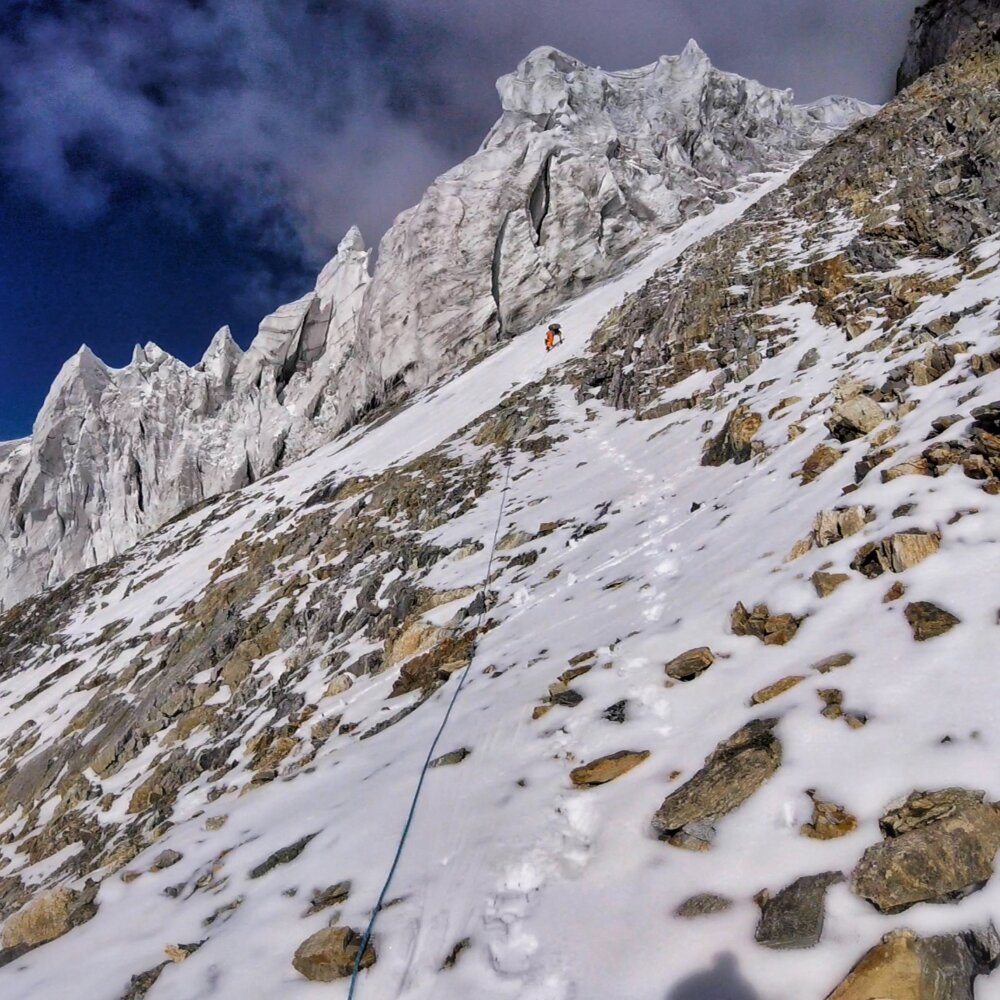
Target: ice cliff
[(582, 168)]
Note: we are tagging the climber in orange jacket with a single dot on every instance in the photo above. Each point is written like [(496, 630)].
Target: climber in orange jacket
[(554, 330)]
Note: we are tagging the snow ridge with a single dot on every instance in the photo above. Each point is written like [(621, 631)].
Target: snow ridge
[(580, 171)]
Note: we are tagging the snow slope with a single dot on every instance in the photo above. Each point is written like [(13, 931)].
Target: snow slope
[(620, 550), (580, 171)]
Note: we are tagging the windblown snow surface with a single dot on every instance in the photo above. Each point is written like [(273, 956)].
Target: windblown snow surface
[(565, 893)]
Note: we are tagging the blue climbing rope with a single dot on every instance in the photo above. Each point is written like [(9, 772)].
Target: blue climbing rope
[(430, 753)]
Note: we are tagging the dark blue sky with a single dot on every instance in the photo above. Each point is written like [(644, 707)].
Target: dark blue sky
[(166, 168)]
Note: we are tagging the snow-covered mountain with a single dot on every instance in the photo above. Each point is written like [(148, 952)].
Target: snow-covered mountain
[(714, 585), (583, 167)]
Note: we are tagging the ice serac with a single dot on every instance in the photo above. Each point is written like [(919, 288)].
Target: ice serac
[(947, 29), (117, 452), (580, 171)]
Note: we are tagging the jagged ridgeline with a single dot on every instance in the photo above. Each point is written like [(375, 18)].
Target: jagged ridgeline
[(580, 171), (729, 723)]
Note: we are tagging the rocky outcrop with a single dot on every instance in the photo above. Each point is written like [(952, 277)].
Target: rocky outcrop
[(731, 774), (734, 443), (50, 915), (947, 29), (896, 553), (581, 169)]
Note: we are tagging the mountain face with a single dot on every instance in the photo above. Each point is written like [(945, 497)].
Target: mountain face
[(948, 29), (727, 717), (727, 723), (583, 167)]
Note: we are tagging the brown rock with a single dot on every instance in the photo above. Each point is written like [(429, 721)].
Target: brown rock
[(691, 664), (833, 699), (855, 417), (822, 458), (912, 467), (829, 821), (939, 847), (48, 916), (430, 668), (330, 954), (906, 967), (605, 769), (894, 593), (928, 620), (733, 442), (833, 662), (826, 583), (415, 638), (799, 549), (773, 690), (338, 685), (734, 770), (896, 553), (773, 630), (831, 526)]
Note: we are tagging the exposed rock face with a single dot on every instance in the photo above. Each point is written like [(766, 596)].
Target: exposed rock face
[(580, 170), (330, 954), (731, 774), (939, 847), (906, 967), (946, 29)]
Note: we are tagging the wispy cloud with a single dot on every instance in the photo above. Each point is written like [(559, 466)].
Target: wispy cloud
[(305, 116)]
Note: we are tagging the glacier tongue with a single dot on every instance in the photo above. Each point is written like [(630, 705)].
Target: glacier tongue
[(581, 170)]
